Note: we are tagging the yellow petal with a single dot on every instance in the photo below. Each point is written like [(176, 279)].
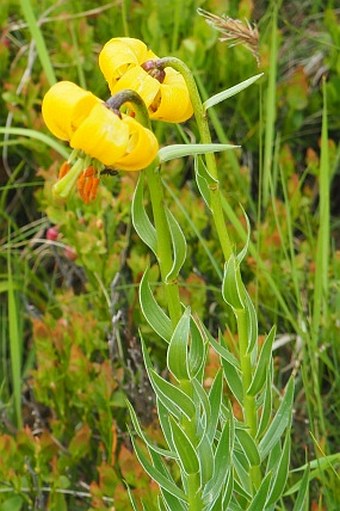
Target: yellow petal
[(118, 55), (173, 102), (141, 82), (102, 135), (142, 148), (64, 107)]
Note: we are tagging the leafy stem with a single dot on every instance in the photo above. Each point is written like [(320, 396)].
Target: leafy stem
[(204, 131), (164, 245)]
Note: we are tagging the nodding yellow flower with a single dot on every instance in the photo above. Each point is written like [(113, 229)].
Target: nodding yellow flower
[(101, 138), (127, 63), (65, 106), (115, 140)]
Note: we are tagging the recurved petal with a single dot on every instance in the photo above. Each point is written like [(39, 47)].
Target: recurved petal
[(65, 106), (102, 135), (172, 103), (118, 55), (142, 148), (141, 82)]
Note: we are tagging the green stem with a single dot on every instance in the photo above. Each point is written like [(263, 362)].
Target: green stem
[(194, 490), (249, 404), (194, 493), (164, 244), (203, 128), (249, 401)]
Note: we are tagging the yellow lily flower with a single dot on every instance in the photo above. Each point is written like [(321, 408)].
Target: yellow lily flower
[(124, 63), (117, 142), (65, 106), (119, 54), (101, 137), (141, 149)]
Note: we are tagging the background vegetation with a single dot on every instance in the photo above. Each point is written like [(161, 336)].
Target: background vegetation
[(69, 349)]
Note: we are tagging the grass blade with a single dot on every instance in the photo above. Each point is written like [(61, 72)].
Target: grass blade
[(36, 34), (15, 343)]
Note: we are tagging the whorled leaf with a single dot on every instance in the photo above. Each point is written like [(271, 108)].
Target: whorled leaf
[(280, 422), (177, 355), (179, 247), (152, 312), (140, 219)]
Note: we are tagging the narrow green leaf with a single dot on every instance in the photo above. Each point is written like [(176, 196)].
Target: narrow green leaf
[(172, 397), (260, 498), (206, 459), (231, 91), (179, 246), (242, 469), (302, 499), (197, 351), (248, 446), (202, 171), (281, 475), (45, 139), (217, 505), (267, 403), (233, 380), (172, 152), (280, 421), (263, 364), (242, 254), (177, 356), (172, 503), (131, 497), (240, 488), (185, 450), (215, 399), (321, 463), (163, 416), (252, 323), (222, 456), (156, 475), (203, 399), (201, 181), (223, 351), (141, 434), (152, 312), (140, 219), (232, 286), (229, 487)]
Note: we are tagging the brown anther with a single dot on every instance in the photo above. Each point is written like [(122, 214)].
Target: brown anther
[(81, 184), (94, 189), (152, 68), (65, 167), (90, 171), (87, 190), (87, 184)]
